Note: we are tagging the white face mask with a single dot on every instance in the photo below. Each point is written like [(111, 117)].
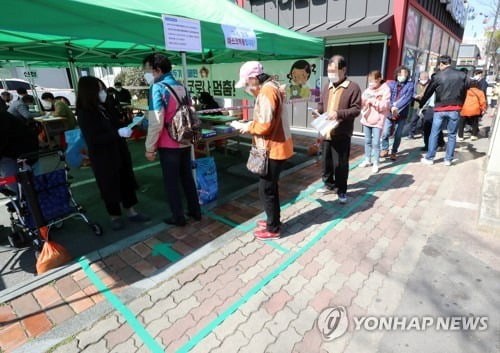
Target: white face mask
[(150, 79), (401, 79), (424, 82), (333, 78), (102, 95), (250, 90), (372, 85), (46, 104), (118, 89)]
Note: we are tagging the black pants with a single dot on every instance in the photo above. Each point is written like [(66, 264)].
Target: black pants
[(128, 199), (335, 162), (414, 124), (428, 115), (176, 167), (473, 121), (269, 194)]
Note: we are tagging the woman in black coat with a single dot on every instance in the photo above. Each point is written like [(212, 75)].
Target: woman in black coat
[(107, 150)]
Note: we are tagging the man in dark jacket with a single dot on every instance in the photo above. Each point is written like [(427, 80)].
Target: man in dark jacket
[(5, 97), (450, 86), (122, 94), (16, 140), (479, 76), (341, 99)]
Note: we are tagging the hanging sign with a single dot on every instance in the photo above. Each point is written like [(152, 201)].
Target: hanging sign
[(182, 34), (239, 38)]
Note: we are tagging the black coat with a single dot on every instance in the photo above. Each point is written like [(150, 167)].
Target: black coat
[(450, 86), (108, 153)]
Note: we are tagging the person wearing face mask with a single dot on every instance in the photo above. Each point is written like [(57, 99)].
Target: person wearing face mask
[(450, 86), (401, 96), (422, 84), (175, 158), (21, 109), (5, 98), (376, 104), (58, 108), (122, 94), (341, 99), (479, 77), (270, 129), (107, 151)]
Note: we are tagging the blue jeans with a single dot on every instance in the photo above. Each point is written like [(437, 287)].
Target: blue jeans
[(439, 119), (372, 141), (398, 131)]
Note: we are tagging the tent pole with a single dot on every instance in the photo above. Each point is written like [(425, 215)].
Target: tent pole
[(73, 76), (184, 68), (184, 76), (33, 87)]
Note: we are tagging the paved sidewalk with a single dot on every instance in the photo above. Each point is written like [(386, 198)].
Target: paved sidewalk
[(405, 244)]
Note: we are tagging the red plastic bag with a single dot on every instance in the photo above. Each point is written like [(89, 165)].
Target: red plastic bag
[(52, 255)]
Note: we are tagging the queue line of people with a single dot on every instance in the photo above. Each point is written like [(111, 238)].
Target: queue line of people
[(384, 108)]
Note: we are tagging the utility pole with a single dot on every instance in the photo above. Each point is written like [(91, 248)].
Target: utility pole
[(490, 40)]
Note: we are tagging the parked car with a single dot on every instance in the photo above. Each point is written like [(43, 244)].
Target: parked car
[(14, 83)]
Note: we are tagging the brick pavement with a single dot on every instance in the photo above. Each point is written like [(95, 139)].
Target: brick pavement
[(249, 296)]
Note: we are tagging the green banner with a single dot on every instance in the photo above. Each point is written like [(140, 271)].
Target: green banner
[(301, 77)]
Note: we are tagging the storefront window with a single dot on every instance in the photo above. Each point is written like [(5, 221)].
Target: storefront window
[(425, 34), (436, 39), (433, 59), (412, 27), (451, 47), (409, 60), (444, 44)]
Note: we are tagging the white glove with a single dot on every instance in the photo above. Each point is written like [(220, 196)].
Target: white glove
[(125, 132), (242, 127)]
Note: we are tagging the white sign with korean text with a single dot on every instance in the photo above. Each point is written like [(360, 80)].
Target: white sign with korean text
[(239, 38), (182, 34)]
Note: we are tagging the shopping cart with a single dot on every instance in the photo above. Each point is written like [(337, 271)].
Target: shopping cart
[(37, 201)]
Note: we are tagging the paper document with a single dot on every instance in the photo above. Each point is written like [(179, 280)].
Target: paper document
[(323, 125), (136, 121)]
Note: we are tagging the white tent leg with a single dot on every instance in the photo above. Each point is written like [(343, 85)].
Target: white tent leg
[(184, 75)]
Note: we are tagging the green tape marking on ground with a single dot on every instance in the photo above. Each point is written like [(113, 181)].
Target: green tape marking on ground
[(277, 246), (139, 330), (166, 251), (224, 315)]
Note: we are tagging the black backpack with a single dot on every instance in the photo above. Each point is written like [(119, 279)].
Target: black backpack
[(185, 126)]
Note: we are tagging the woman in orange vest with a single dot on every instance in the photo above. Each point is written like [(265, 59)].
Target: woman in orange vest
[(472, 110)]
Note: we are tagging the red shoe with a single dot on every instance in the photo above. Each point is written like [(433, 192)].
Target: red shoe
[(264, 234)]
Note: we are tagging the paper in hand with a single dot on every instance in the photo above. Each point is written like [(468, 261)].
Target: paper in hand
[(136, 121), (323, 125)]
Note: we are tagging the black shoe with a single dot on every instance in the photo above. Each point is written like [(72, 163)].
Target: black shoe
[(175, 222), (117, 224), (195, 216), (139, 218), (424, 149)]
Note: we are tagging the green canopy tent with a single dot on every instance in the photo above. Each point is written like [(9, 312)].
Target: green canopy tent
[(120, 32)]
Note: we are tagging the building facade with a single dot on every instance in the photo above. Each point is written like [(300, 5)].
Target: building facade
[(373, 34)]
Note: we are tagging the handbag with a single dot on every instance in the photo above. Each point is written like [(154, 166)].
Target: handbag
[(257, 160)]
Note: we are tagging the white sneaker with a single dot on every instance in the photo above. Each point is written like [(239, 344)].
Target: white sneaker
[(375, 169), (426, 161), (324, 191), (473, 138), (365, 164), (460, 139), (448, 163)]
